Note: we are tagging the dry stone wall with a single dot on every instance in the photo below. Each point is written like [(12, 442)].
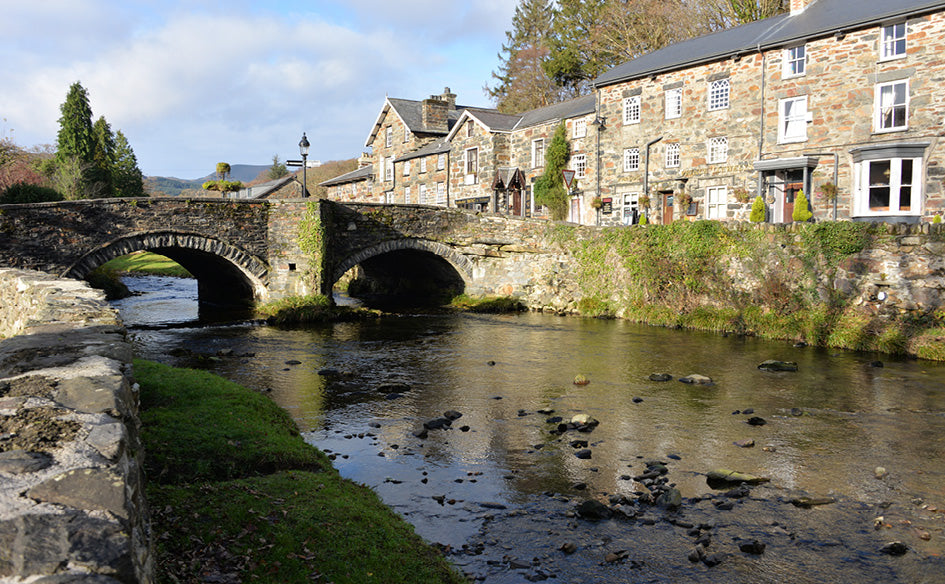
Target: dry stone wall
[(72, 505)]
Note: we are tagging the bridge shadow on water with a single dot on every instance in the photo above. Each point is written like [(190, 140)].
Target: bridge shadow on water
[(405, 279)]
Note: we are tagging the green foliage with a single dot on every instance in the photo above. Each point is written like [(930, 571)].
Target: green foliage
[(277, 170), (937, 219), (802, 210), (574, 58), (28, 193), (108, 281), (75, 139), (487, 304), (746, 11), (839, 239), (550, 191), (757, 210), (103, 157), (223, 186), (643, 219), (126, 176), (223, 170)]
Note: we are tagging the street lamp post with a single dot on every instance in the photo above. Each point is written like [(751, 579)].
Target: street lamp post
[(303, 150)]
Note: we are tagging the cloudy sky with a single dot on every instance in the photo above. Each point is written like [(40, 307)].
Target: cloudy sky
[(196, 82)]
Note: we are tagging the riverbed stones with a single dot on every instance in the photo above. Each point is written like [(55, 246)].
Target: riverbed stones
[(774, 365), (725, 476), (660, 377), (583, 454), (894, 548), (594, 510), (697, 379), (22, 461), (746, 443), (753, 547), (757, 421)]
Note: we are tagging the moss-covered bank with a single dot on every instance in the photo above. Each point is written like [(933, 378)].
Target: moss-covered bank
[(798, 283), (238, 496)]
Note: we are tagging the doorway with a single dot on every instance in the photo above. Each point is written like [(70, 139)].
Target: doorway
[(783, 187), (668, 202)]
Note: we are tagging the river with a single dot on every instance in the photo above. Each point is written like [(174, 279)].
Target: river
[(860, 435)]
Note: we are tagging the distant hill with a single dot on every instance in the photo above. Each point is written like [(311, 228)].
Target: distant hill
[(173, 187)]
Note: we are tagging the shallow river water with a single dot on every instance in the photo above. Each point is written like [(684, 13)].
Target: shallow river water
[(500, 488)]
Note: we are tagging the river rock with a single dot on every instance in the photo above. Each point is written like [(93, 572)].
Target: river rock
[(746, 443), (756, 421), (808, 502), (660, 377), (726, 476), (880, 472), (421, 434), (393, 388), (594, 510), (696, 379), (437, 423), (753, 547), (22, 461), (452, 415), (579, 444), (568, 547), (583, 454), (894, 548), (670, 499), (772, 365)]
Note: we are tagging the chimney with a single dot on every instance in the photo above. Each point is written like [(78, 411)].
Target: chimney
[(434, 114), (365, 160), (449, 97), (798, 6)]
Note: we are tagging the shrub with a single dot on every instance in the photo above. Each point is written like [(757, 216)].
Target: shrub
[(801, 208), (29, 193), (643, 220), (757, 210), (937, 219)]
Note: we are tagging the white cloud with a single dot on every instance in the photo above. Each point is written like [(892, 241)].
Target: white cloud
[(196, 85)]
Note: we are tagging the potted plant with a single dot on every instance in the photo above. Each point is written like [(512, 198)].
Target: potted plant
[(741, 194), (644, 201), (597, 203), (828, 191)]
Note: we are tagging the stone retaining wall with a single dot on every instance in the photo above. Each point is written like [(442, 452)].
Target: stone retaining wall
[(72, 504)]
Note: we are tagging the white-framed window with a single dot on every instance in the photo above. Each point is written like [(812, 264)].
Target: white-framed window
[(388, 136), (579, 165), (631, 159), (389, 168), (631, 209), (441, 161), (441, 193), (471, 165), (407, 195), (716, 202), (792, 120), (407, 135), (470, 129), (423, 164), (406, 168), (389, 197), (422, 194), (538, 153), (672, 155), (795, 61), (892, 106), (893, 44), (631, 110), (718, 150), (673, 105), (891, 186), (579, 128), (719, 94)]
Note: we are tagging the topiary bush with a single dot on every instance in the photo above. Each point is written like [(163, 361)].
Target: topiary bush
[(29, 193), (802, 211), (757, 210)]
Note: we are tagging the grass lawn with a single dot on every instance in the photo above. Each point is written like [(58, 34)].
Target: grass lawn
[(236, 495), (145, 262)]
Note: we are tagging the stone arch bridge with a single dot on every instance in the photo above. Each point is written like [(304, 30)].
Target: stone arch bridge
[(243, 251)]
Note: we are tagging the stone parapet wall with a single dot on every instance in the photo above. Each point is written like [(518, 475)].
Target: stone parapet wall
[(72, 501)]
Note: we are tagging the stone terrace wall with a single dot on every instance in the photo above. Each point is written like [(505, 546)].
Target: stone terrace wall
[(72, 504)]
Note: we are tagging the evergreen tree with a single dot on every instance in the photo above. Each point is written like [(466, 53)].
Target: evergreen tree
[(223, 170), (75, 138), (126, 175), (573, 61), (801, 208), (757, 210), (103, 157), (746, 11), (550, 191), (277, 170), (522, 82)]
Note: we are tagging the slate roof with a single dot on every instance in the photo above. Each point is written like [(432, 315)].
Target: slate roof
[(820, 18), (580, 106), (363, 173), (438, 146), (410, 111)]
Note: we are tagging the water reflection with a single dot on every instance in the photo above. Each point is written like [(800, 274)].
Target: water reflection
[(829, 425)]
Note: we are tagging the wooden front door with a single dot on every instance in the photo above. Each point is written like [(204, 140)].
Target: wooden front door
[(790, 192), (668, 207), (516, 200)]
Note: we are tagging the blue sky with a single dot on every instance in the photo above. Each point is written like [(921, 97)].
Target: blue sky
[(196, 82)]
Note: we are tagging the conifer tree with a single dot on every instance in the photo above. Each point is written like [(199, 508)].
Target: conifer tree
[(757, 210), (75, 138), (126, 175), (801, 212), (522, 82), (550, 191), (103, 158)]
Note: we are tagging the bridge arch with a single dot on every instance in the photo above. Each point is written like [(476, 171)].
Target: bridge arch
[(225, 274), (408, 259)]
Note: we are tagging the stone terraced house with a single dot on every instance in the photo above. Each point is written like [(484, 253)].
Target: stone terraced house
[(837, 98)]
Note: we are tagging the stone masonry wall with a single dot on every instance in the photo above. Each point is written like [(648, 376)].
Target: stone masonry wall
[(72, 504)]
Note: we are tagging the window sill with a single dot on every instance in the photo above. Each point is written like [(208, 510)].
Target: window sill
[(893, 58), (792, 140), (797, 76), (891, 130)]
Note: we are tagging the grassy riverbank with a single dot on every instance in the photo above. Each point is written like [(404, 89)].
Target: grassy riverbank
[(145, 262), (238, 496)]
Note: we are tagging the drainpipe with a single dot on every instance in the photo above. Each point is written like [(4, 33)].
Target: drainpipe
[(759, 190), (836, 165), (646, 169)]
